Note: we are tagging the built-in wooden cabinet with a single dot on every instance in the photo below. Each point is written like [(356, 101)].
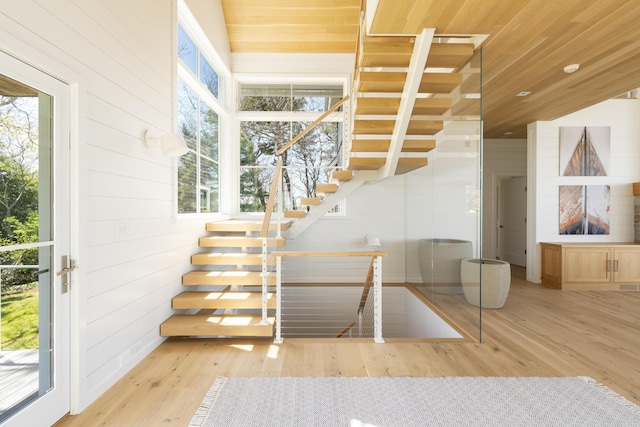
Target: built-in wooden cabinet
[(591, 266)]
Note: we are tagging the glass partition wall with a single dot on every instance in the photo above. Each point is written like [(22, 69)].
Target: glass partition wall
[(444, 215)]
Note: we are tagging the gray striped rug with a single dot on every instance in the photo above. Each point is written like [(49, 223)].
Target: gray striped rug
[(408, 401)]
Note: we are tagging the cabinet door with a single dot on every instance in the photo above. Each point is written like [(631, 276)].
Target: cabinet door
[(587, 265), (627, 261)]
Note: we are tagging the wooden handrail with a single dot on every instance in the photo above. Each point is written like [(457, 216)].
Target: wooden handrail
[(344, 331), (311, 126), (264, 232), (276, 178), (328, 254), (368, 283)]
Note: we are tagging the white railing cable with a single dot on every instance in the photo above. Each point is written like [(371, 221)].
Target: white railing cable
[(278, 339), (280, 202), (310, 310), (377, 300), (265, 282)]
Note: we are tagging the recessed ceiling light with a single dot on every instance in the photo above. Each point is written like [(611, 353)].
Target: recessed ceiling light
[(572, 68), (523, 94), (508, 133)]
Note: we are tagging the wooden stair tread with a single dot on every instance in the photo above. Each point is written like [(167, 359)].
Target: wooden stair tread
[(244, 325), (366, 163), (342, 175), (226, 299), (244, 225), (239, 241), (431, 106), (376, 127), (418, 145), (407, 164), (439, 82), (382, 81), (370, 145), (295, 214), (221, 278), (230, 258), (310, 201), (326, 188), (386, 51), (424, 127), (452, 55), (379, 106)]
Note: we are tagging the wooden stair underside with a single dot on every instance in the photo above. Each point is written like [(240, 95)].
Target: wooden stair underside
[(383, 65)]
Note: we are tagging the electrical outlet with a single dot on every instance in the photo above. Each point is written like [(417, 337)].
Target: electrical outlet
[(121, 231)]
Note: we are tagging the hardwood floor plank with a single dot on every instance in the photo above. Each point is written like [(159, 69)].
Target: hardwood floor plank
[(539, 332)]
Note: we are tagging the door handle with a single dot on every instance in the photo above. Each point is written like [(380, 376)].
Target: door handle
[(67, 266)]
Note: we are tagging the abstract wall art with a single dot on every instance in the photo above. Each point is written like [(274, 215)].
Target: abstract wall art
[(585, 150), (584, 209)]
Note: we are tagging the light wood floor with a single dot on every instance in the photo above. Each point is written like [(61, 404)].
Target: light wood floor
[(539, 332)]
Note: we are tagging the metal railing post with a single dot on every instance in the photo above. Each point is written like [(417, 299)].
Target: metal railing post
[(265, 282), (280, 201), (377, 300), (278, 339)]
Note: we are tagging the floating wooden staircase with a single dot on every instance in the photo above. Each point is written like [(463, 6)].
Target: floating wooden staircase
[(402, 98), (228, 299), (307, 203)]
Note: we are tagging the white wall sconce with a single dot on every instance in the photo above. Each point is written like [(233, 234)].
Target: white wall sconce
[(373, 241), (171, 144)]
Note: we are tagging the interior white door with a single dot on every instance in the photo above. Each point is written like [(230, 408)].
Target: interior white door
[(35, 143), (512, 221)]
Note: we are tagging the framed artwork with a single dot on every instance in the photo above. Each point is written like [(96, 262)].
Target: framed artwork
[(584, 209), (585, 150)]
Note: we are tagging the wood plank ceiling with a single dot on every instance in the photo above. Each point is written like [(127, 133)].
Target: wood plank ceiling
[(529, 43)]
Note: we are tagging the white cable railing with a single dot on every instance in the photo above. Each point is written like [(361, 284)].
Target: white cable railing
[(314, 310)]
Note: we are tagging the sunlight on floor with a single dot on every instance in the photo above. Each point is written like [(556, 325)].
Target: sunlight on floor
[(273, 352), (246, 347)]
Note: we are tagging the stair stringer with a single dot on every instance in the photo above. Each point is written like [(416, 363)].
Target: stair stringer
[(359, 178)]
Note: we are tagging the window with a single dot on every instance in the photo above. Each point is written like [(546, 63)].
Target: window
[(272, 115), (199, 109)]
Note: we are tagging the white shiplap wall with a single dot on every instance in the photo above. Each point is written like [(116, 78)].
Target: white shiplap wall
[(131, 249), (623, 116), (377, 209)]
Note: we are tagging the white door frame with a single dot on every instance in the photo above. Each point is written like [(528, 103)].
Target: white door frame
[(56, 403)]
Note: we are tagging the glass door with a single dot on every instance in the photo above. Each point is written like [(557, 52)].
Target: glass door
[(34, 245)]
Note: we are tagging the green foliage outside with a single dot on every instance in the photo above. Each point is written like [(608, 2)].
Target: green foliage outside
[(19, 222), (20, 320), (305, 164)]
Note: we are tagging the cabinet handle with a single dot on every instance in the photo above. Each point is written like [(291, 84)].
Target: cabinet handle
[(615, 265)]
